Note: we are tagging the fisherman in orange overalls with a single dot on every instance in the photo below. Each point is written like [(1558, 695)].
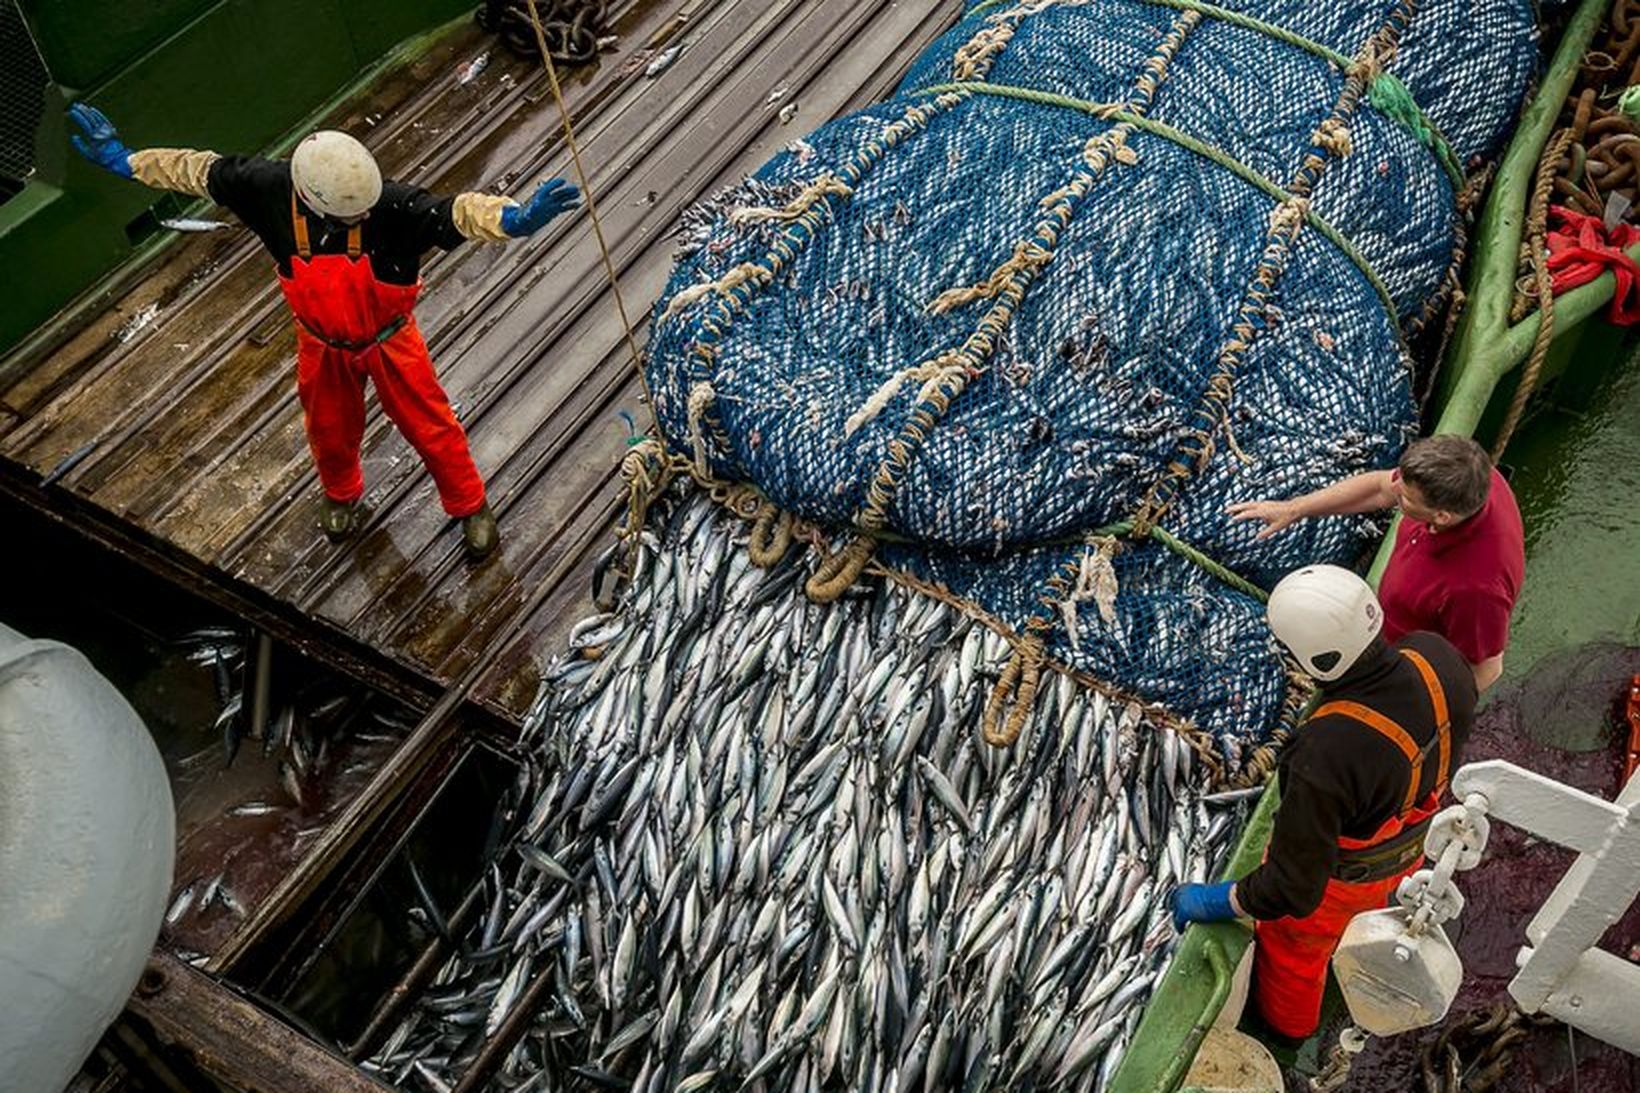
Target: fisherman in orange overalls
[(348, 249), (1359, 785)]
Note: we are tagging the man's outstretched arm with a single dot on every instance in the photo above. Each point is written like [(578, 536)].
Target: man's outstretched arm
[(184, 170), (1369, 492), (494, 219)]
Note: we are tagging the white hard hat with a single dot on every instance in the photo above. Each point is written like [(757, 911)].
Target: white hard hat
[(1326, 616), (335, 175)]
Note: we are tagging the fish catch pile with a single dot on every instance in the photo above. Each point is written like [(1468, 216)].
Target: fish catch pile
[(761, 844)]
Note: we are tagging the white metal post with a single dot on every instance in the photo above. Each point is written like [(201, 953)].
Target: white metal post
[(1561, 971)]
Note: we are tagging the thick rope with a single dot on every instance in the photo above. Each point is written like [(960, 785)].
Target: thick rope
[(1388, 95), (837, 572), (1116, 112), (1028, 256), (1392, 99), (723, 286), (930, 373), (1095, 581), (1537, 246), (647, 472), (1015, 691), (701, 397), (1189, 553), (771, 536), (592, 204), (827, 184)]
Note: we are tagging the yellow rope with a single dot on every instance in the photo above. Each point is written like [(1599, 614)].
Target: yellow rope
[(826, 184), (693, 294), (1028, 256), (592, 204), (1537, 247)]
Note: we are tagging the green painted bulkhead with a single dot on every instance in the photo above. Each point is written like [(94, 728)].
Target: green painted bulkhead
[(231, 75)]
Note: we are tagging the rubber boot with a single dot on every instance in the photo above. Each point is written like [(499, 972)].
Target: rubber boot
[(479, 533), (338, 519)]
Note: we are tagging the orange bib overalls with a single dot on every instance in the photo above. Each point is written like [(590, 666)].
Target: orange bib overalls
[(349, 325), (1290, 964)]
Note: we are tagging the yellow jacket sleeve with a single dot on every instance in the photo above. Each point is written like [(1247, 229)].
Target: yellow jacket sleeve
[(181, 169), (478, 216)]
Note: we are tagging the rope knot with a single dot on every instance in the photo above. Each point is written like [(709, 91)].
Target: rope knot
[(838, 571), (1096, 581), (827, 184), (1287, 217), (1028, 257), (1390, 97), (933, 374), (701, 397), (723, 286), (1368, 64), (1334, 136), (973, 60), (647, 470), (1017, 684), (771, 536)]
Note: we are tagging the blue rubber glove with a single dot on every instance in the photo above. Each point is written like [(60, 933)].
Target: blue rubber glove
[(550, 198), (101, 143), (1202, 903)]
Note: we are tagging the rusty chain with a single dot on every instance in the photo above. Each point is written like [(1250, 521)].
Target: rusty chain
[(1602, 160), (571, 27)]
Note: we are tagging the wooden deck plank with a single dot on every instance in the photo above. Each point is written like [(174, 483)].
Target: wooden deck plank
[(232, 1039), (737, 114), (202, 448)]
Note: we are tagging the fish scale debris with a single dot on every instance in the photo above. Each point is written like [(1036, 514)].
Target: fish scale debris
[(812, 874)]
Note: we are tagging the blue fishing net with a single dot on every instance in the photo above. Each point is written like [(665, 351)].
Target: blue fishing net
[(1119, 266)]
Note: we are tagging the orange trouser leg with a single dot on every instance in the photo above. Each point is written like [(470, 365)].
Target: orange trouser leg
[(332, 394), (412, 397), (1290, 962)]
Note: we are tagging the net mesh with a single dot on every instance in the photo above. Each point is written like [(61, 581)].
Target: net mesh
[(23, 86), (991, 316)]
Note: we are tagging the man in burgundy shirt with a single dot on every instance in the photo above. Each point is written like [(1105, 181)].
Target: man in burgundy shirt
[(1459, 554)]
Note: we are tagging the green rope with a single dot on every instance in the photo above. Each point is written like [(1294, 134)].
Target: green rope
[(1253, 23), (1628, 104), (1121, 529), (1115, 112), (1190, 554), (1227, 576), (1224, 15), (1388, 95)]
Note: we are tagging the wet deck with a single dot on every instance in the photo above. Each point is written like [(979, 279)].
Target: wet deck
[(179, 399)]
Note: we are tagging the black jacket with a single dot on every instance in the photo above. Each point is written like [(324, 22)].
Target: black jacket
[(1340, 777), (405, 223)]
